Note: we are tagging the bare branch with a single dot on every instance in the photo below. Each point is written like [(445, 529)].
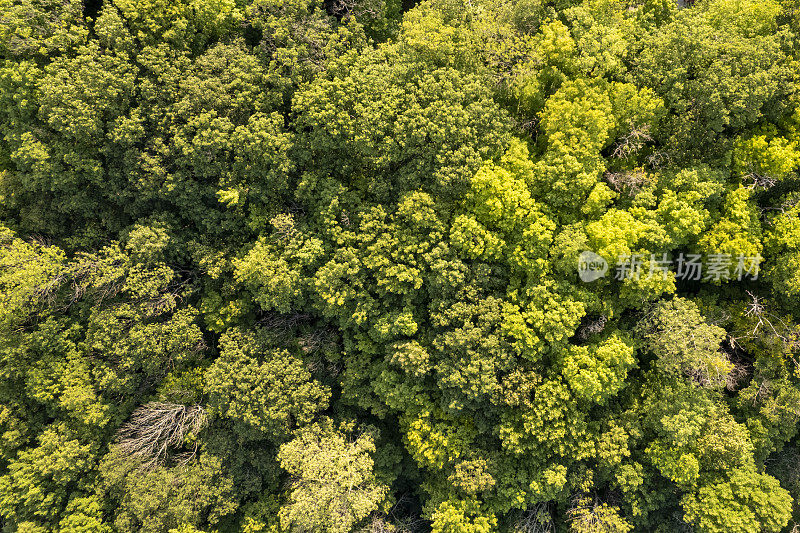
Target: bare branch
[(629, 182), (156, 427), (537, 519), (630, 144)]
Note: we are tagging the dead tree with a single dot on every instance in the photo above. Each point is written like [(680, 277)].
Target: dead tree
[(630, 144), (536, 519), (629, 182), (157, 427), (767, 324)]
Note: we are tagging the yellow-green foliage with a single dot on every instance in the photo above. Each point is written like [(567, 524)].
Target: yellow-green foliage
[(313, 266)]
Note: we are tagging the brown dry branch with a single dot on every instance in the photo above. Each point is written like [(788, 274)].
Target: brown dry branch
[(790, 202), (629, 182), (634, 141), (764, 391), (660, 159), (283, 323), (767, 324), (586, 514), (592, 327), (316, 340), (736, 376), (787, 205), (381, 524), (156, 427), (162, 304), (47, 292), (537, 519), (762, 181), (370, 9)]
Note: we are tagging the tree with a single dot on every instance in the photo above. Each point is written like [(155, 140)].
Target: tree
[(313, 265), (684, 342), (587, 516), (270, 397), (748, 502), (333, 485), (686, 62), (195, 493), (40, 482)]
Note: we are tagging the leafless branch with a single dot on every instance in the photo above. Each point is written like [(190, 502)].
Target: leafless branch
[(629, 182), (537, 519), (156, 427), (660, 159), (592, 327), (766, 324), (283, 324), (762, 181), (316, 340), (630, 144)]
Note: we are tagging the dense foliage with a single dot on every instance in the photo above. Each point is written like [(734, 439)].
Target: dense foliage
[(312, 266)]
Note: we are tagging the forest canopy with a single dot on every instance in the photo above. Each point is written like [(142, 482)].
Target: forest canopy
[(455, 266)]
